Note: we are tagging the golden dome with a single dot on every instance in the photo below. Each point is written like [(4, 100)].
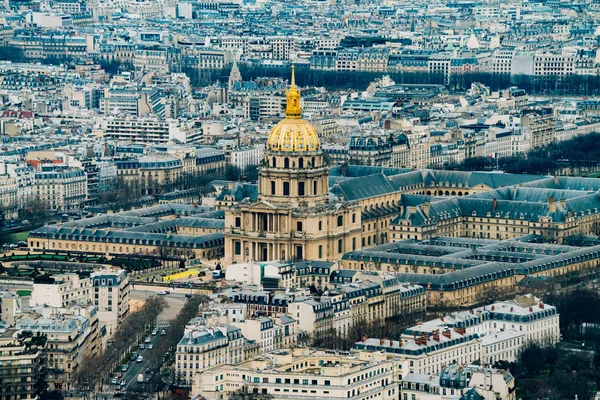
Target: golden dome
[(293, 133)]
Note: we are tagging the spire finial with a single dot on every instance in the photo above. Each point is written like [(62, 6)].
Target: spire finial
[(293, 84), (293, 109)]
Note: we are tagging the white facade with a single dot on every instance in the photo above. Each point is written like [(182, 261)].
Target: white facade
[(66, 290), (110, 295), (245, 156)]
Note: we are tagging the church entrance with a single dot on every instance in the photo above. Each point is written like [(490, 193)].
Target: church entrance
[(299, 254), (264, 252)]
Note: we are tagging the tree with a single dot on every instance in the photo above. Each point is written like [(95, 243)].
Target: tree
[(36, 210)]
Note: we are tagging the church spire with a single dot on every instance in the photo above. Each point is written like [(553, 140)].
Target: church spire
[(292, 108)]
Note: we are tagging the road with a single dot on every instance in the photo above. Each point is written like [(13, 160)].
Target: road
[(135, 368)]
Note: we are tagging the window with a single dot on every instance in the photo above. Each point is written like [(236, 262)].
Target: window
[(353, 218), (238, 248), (320, 225), (340, 220), (272, 187), (286, 162), (238, 222), (320, 251), (286, 188), (299, 226), (300, 188), (340, 245), (274, 162), (315, 187), (353, 243), (301, 163)]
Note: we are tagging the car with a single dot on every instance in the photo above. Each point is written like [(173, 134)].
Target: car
[(154, 332), (163, 333), (147, 340), (167, 292), (147, 369), (163, 293), (150, 346), (114, 381), (133, 357), (140, 359), (124, 368), (188, 295), (119, 393), (142, 346), (122, 383)]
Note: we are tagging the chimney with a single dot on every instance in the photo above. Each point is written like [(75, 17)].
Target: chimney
[(382, 341), (447, 333), (494, 204), (541, 305), (460, 331), (364, 338), (442, 319), (530, 309), (563, 203), (514, 192), (387, 124), (400, 343), (425, 207), (551, 204)]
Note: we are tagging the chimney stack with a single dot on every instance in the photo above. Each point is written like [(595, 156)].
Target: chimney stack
[(551, 204), (494, 204)]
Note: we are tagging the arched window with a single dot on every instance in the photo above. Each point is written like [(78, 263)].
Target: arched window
[(340, 220), (313, 162), (274, 163), (286, 162), (315, 187), (340, 246), (301, 163)]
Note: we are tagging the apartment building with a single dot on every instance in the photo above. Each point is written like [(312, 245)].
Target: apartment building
[(460, 381), (110, 294), (302, 374), (22, 365), (61, 188), (204, 347), (72, 337), (496, 332), (62, 290), (242, 157), (550, 64), (539, 126), (145, 130)]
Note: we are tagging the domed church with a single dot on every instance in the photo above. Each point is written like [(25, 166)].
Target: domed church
[(293, 217)]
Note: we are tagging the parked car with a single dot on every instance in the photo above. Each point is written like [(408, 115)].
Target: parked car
[(140, 359), (133, 357), (150, 346), (154, 332), (163, 333), (147, 340), (162, 293), (188, 295), (119, 393), (142, 346), (114, 381), (124, 368)]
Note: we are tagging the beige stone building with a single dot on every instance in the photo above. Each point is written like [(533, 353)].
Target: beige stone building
[(292, 217)]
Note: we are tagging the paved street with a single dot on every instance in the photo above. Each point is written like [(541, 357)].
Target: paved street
[(135, 368)]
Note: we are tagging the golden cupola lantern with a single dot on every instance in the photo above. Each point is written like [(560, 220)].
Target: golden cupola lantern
[(293, 134)]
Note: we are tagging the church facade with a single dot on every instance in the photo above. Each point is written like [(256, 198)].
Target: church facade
[(293, 217)]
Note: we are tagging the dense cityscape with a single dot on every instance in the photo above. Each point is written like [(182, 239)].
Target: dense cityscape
[(341, 199)]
